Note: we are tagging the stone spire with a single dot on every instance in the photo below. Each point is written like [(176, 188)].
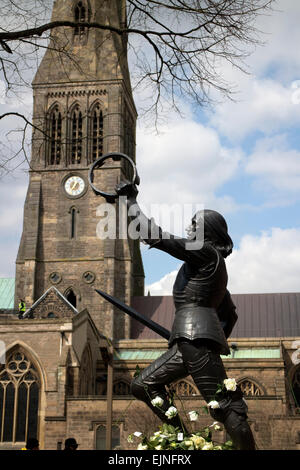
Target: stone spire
[(78, 54)]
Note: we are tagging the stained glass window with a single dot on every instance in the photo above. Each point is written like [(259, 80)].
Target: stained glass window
[(101, 437), (121, 388), (184, 388), (249, 388), (19, 399)]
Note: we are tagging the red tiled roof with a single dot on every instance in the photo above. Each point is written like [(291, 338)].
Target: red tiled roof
[(259, 315)]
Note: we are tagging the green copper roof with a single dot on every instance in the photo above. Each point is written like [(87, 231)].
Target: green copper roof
[(7, 293), (134, 355), (254, 353), (151, 354)]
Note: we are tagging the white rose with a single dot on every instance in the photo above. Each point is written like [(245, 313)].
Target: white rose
[(141, 447), (230, 384), (180, 436), (158, 447), (137, 434), (208, 446), (198, 441), (157, 401), (171, 412), (188, 443), (213, 404), (193, 415)]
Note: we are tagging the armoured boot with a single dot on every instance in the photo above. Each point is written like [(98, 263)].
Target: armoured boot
[(239, 430), (233, 414)]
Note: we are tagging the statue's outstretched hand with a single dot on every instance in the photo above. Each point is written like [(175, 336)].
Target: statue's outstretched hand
[(125, 188)]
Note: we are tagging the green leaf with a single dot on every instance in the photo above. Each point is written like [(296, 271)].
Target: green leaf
[(170, 429), (137, 371)]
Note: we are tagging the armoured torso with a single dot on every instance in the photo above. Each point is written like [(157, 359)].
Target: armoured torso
[(198, 291), (203, 283), (199, 288)]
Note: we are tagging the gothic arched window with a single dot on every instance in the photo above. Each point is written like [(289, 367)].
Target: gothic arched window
[(121, 388), (128, 140), (19, 398), (250, 388), (71, 297), (73, 225), (101, 437), (76, 136), (70, 381), (97, 133), (183, 388), (55, 128), (86, 373), (80, 17), (296, 386)]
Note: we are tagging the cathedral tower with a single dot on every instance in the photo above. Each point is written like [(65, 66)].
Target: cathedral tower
[(84, 108)]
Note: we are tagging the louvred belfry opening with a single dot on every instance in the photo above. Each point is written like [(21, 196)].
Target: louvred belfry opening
[(55, 136), (76, 136), (80, 17), (97, 133)]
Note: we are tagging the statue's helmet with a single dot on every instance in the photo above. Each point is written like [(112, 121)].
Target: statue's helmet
[(213, 228)]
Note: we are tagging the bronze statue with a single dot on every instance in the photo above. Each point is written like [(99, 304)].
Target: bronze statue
[(204, 318)]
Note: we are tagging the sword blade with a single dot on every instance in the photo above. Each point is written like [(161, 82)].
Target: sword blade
[(136, 315)]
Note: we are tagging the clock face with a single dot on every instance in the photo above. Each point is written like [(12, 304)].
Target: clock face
[(74, 186)]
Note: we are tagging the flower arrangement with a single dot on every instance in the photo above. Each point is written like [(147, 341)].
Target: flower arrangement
[(169, 437)]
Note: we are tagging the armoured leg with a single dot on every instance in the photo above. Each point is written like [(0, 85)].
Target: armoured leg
[(207, 369), (233, 414), (204, 365), (151, 382)]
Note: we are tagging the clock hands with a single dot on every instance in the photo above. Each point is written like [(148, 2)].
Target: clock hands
[(74, 185)]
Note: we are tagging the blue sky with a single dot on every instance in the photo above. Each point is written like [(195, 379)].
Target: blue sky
[(248, 157), (241, 158)]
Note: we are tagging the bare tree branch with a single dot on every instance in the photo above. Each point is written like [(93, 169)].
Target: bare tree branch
[(178, 45)]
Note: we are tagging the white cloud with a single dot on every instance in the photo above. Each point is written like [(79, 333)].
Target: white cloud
[(8, 254), (12, 195), (185, 163), (265, 100), (275, 165), (2, 92), (263, 105), (281, 35), (164, 286), (267, 263)]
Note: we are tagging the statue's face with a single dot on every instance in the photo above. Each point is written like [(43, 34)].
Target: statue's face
[(193, 227)]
